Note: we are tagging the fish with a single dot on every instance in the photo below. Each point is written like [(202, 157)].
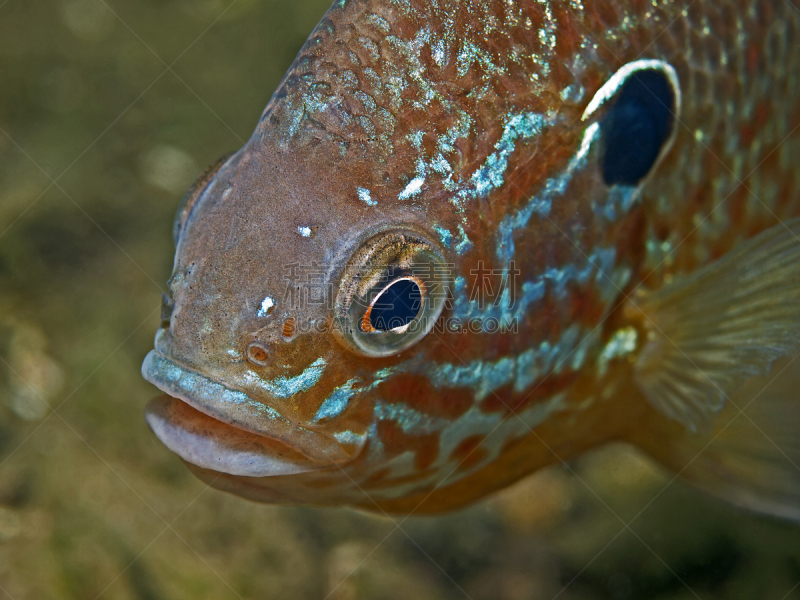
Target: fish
[(471, 239)]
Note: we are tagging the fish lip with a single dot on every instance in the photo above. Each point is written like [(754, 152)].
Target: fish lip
[(206, 395), (210, 444)]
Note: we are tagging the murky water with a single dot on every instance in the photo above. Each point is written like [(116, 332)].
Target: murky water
[(108, 111)]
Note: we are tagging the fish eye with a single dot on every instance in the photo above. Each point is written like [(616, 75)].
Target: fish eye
[(390, 294), (642, 102), (193, 194)]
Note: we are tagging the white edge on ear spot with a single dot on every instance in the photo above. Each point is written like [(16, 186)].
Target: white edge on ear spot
[(607, 91)]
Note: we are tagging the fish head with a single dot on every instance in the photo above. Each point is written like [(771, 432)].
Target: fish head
[(292, 296)]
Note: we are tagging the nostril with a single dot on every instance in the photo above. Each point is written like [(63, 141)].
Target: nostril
[(257, 354), (167, 306)]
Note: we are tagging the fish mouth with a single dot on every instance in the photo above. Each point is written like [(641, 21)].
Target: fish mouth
[(203, 421)]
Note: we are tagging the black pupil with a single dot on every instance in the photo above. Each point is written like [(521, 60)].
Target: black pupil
[(637, 127), (397, 306)]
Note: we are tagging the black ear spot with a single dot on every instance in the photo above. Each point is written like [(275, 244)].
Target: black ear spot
[(638, 125)]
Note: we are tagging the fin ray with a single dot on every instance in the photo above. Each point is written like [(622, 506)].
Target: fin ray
[(752, 460), (716, 328)]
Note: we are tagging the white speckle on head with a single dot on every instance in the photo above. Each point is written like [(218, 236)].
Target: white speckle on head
[(266, 306), (412, 189), (304, 231), (365, 196)]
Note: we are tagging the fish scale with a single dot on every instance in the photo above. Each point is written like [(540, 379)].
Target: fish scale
[(474, 133)]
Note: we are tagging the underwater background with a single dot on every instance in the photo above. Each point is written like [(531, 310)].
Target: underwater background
[(108, 111)]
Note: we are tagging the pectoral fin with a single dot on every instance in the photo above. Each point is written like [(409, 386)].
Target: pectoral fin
[(720, 326), (722, 358), (752, 457)]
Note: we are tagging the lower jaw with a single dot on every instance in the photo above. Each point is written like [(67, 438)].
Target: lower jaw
[(236, 410), (211, 444)]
